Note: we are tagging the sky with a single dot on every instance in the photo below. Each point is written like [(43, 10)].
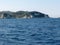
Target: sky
[(50, 7)]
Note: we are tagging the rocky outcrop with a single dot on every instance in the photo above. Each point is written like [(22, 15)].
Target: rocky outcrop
[(6, 14), (22, 14), (36, 14)]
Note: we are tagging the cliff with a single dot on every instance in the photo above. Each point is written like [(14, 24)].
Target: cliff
[(22, 14)]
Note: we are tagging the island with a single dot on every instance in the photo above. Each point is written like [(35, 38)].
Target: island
[(22, 14)]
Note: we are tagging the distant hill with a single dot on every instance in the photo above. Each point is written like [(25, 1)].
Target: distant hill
[(22, 14)]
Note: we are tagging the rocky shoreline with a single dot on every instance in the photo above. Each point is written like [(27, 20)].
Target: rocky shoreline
[(22, 14)]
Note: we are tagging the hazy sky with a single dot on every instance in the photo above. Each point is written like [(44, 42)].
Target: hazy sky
[(51, 7)]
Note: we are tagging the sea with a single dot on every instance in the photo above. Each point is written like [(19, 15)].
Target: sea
[(34, 31)]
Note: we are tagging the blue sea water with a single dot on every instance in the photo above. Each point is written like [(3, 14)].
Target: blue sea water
[(35, 31)]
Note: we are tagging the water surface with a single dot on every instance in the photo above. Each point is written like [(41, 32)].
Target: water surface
[(35, 31)]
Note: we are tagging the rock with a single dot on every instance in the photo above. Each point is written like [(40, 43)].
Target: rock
[(36, 14), (22, 14)]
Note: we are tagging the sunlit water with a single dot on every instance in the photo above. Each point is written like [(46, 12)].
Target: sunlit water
[(35, 31)]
